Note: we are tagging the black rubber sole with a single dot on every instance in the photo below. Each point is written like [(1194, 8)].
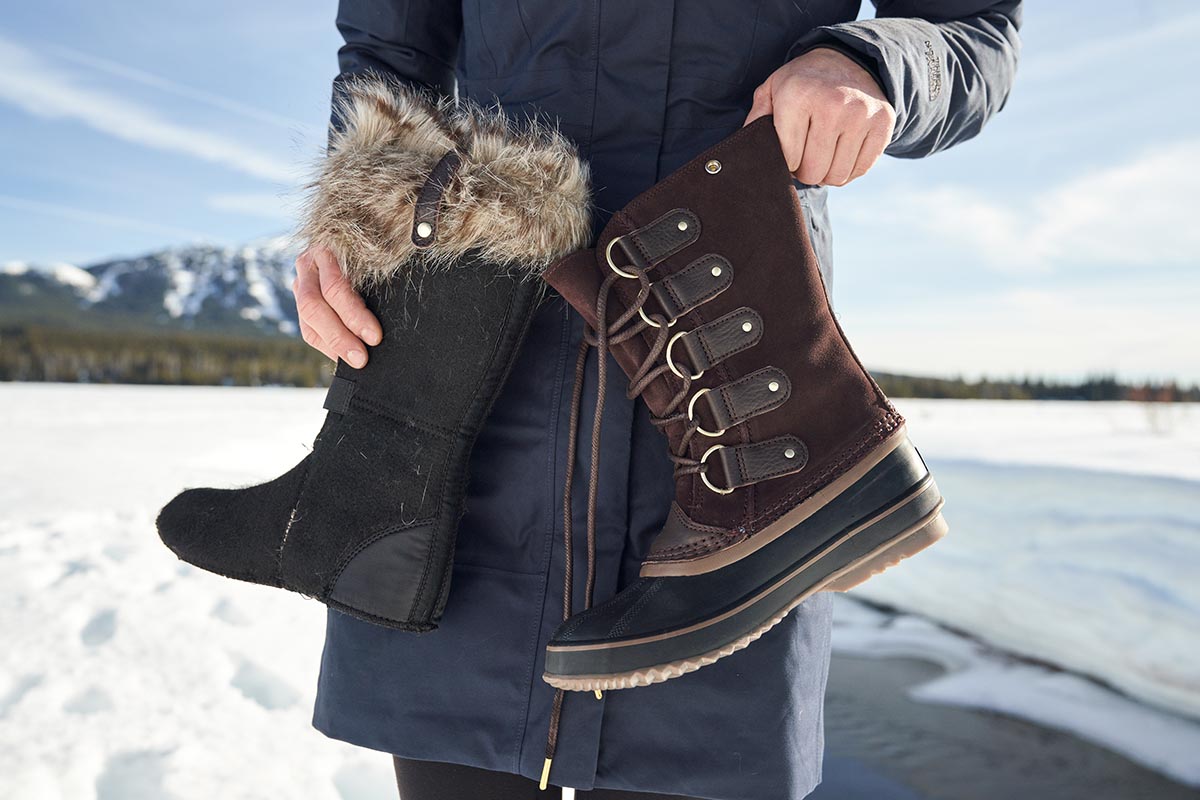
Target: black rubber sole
[(662, 627)]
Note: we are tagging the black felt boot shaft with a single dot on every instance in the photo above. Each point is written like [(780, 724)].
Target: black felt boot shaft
[(444, 217), (366, 522)]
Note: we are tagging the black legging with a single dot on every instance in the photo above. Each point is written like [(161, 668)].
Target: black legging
[(432, 780)]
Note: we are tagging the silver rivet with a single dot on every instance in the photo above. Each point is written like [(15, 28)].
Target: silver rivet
[(712, 167), (789, 453), (682, 225), (747, 327), (716, 272), (773, 386), (424, 229)]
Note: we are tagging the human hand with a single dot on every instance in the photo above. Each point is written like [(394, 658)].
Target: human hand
[(333, 317), (832, 118)]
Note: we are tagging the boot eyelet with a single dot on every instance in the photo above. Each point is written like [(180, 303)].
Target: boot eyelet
[(671, 363), (712, 166), (692, 416), (611, 265), (704, 472)]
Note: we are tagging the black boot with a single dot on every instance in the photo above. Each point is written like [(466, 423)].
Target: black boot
[(443, 217)]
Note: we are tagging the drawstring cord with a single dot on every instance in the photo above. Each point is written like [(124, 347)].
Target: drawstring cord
[(569, 479), (602, 339)]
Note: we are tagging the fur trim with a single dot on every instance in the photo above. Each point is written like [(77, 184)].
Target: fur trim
[(520, 198)]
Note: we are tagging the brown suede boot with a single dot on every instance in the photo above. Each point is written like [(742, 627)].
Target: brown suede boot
[(794, 473)]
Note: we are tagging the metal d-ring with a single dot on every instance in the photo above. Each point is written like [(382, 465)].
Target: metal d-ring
[(652, 323), (692, 417), (671, 363), (611, 265), (704, 472)]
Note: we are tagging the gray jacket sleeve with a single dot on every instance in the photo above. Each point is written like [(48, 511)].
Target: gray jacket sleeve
[(415, 41), (946, 66)]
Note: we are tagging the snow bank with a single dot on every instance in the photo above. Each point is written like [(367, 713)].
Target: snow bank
[(127, 674)]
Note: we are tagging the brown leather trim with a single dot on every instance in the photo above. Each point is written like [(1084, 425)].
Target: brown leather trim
[(752, 462), (735, 552), (926, 484), (711, 343), (661, 239), (429, 200), (692, 286), (733, 403)]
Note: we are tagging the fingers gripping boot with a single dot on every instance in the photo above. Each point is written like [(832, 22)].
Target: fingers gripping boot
[(443, 217)]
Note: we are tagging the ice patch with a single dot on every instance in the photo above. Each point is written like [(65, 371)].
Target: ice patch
[(978, 676)]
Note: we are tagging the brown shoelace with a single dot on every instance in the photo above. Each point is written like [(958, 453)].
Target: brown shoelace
[(628, 325)]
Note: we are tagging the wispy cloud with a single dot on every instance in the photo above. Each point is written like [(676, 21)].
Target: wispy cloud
[(281, 207), (1176, 31), (174, 87), (1139, 213), (1134, 331), (30, 83), (95, 217)]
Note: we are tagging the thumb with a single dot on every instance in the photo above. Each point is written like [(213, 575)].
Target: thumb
[(762, 103)]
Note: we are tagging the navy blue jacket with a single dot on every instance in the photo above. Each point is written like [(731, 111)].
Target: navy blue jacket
[(641, 86)]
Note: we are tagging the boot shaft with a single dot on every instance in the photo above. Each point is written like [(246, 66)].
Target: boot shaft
[(440, 332), (725, 246)]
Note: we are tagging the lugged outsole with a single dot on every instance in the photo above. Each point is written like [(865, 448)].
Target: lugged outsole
[(923, 534)]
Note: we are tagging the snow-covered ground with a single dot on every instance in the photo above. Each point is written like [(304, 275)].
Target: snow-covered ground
[(126, 674)]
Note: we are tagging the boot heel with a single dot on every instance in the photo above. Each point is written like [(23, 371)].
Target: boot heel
[(925, 533)]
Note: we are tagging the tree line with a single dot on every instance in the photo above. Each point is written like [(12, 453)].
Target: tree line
[(35, 353), (72, 355)]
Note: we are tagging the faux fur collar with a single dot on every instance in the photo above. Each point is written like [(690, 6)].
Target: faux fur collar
[(520, 198)]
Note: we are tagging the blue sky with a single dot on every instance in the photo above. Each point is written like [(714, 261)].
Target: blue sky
[(1062, 242)]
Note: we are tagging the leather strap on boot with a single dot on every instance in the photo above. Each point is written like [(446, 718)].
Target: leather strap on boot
[(744, 464), (733, 403), (655, 242), (713, 342), (429, 200), (688, 289)]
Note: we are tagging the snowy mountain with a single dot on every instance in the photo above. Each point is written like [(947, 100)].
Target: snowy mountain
[(197, 287)]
